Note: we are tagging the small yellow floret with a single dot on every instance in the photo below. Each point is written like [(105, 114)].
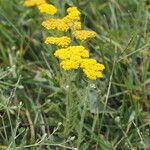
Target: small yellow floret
[(32, 3), (56, 24), (62, 41), (47, 8), (75, 25), (84, 34)]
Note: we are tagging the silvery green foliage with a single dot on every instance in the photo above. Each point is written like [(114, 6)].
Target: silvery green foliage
[(93, 99), (96, 101)]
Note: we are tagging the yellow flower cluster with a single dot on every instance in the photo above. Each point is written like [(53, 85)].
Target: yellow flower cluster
[(42, 5), (47, 8), (55, 24), (70, 64), (32, 3), (71, 21), (75, 57), (84, 34), (73, 15), (72, 52), (92, 69), (72, 57), (62, 41), (73, 18)]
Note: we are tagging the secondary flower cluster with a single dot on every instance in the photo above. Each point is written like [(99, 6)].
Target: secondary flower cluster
[(71, 57), (42, 5), (60, 41)]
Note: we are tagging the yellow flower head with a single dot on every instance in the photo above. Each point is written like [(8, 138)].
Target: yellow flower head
[(62, 41), (32, 3), (72, 52), (55, 24), (69, 64), (84, 34), (92, 74), (73, 15), (92, 69), (71, 57), (92, 64), (47, 8)]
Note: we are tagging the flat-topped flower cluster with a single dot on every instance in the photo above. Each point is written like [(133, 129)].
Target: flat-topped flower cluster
[(71, 57)]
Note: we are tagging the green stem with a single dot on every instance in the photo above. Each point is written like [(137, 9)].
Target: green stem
[(82, 118), (67, 102)]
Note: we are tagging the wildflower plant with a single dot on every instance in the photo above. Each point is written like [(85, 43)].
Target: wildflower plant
[(47, 100), (69, 40)]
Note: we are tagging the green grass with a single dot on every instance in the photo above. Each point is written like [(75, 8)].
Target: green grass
[(44, 107)]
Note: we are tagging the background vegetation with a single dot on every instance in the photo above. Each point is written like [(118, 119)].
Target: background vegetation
[(44, 107)]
